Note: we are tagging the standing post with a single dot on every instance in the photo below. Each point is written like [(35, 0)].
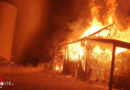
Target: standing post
[(112, 67)]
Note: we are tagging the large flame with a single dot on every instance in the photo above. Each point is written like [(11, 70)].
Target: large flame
[(76, 50), (95, 24), (112, 5)]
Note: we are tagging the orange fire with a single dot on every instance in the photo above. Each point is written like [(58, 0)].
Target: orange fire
[(58, 68), (76, 50)]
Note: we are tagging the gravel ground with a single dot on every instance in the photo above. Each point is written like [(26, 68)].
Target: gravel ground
[(38, 79)]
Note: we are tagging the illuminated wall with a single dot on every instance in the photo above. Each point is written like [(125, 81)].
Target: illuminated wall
[(7, 24)]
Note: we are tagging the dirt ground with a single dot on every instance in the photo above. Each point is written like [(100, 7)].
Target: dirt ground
[(38, 79)]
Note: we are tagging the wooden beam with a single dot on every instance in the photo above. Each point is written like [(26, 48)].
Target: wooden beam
[(112, 67)]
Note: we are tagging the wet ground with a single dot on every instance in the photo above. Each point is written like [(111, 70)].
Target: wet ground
[(31, 79)]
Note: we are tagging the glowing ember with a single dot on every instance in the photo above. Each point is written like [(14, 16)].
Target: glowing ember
[(59, 68)]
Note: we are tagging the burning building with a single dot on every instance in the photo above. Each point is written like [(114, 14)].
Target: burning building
[(92, 58), (98, 55), (96, 52)]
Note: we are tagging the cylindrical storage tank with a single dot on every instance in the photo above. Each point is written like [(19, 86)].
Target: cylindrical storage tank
[(7, 25)]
